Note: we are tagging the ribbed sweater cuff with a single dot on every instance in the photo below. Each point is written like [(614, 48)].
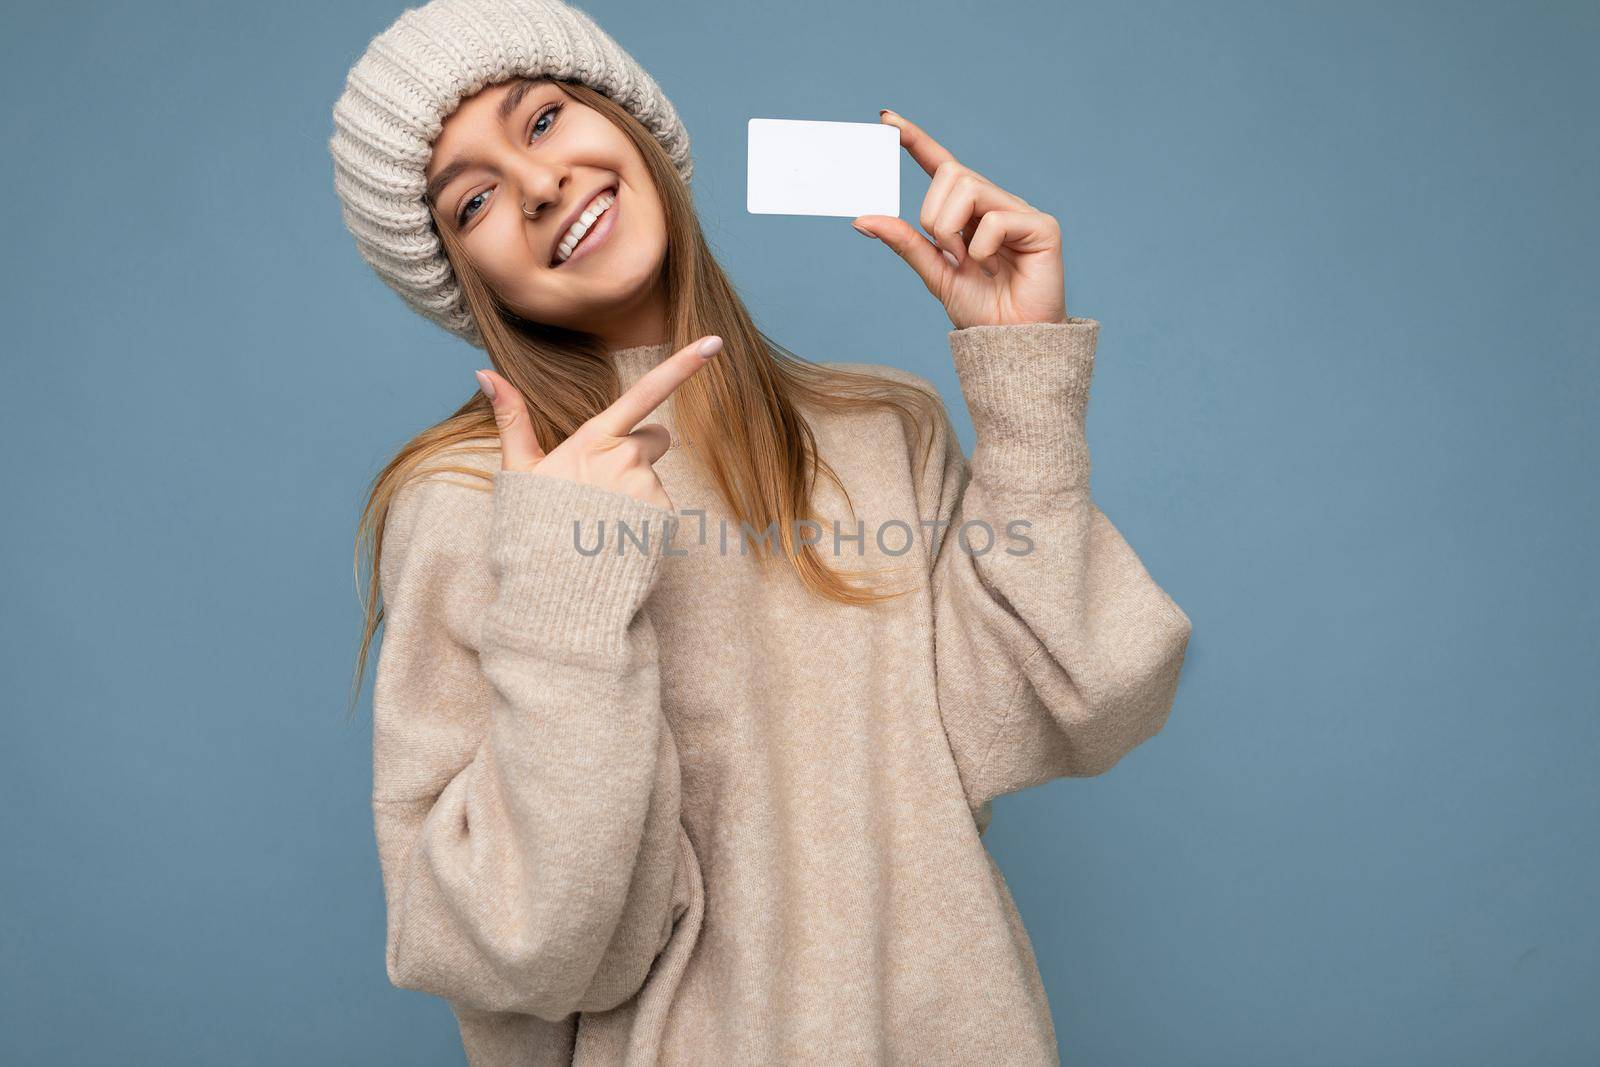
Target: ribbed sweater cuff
[(1027, 389), (563, 590)]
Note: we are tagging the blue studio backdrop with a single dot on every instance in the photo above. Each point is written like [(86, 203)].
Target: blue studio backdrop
[(1344, 257)]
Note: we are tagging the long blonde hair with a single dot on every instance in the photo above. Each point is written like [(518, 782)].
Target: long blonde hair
[(740, 414)]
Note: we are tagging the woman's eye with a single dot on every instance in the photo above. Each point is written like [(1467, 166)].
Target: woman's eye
[(465, 213), (549, 113)]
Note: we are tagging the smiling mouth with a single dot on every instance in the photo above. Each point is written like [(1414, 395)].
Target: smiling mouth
[(557, 259)]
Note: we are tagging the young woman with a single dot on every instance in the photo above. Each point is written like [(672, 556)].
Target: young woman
[(682, 753)]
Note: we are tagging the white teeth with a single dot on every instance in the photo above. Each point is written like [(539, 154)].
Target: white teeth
[(596, 208)]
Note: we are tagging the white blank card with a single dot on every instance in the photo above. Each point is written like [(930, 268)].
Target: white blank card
[(807, 167)]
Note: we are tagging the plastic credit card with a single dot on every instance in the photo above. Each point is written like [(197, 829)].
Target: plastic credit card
[(808, 167)]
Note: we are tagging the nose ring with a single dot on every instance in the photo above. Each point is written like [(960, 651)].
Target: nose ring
[(526, 212)]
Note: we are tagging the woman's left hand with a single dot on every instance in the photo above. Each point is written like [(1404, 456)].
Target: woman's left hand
[(1005, 264)]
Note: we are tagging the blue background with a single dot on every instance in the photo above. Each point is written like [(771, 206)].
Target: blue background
[(1344, 256)]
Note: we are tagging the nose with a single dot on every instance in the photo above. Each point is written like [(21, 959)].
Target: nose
[(540, 184)]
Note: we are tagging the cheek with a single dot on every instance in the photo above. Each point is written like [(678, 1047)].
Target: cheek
[(503, 254)]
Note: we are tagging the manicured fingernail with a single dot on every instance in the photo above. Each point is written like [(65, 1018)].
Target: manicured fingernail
[(952, 260), (885, 111), (862, 230), (485, 383), (710, 347)]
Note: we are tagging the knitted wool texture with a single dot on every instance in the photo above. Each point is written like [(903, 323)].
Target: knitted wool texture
[(409, 80)]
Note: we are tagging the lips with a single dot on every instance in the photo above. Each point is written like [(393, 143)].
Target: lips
[(577, 213)]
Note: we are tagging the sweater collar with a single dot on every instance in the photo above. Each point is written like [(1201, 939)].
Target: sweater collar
[(635, 362)]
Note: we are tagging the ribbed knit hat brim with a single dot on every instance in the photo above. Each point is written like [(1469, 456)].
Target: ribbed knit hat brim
[(413, 76)]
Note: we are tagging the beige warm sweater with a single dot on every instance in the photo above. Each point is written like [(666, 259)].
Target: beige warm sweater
[(660, 806)]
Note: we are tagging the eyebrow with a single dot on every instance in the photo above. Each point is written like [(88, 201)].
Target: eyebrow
[(508, 104)]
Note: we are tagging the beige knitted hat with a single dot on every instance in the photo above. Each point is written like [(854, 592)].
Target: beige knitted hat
[(413, 75)]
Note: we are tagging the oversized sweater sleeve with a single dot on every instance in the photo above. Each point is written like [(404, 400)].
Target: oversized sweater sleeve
[(1056, 653), (525, 782)]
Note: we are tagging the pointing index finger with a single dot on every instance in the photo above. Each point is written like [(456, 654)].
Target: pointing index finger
[(660, 382)]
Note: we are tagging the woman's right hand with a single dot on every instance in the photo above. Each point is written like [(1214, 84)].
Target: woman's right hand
[(608, 450)]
